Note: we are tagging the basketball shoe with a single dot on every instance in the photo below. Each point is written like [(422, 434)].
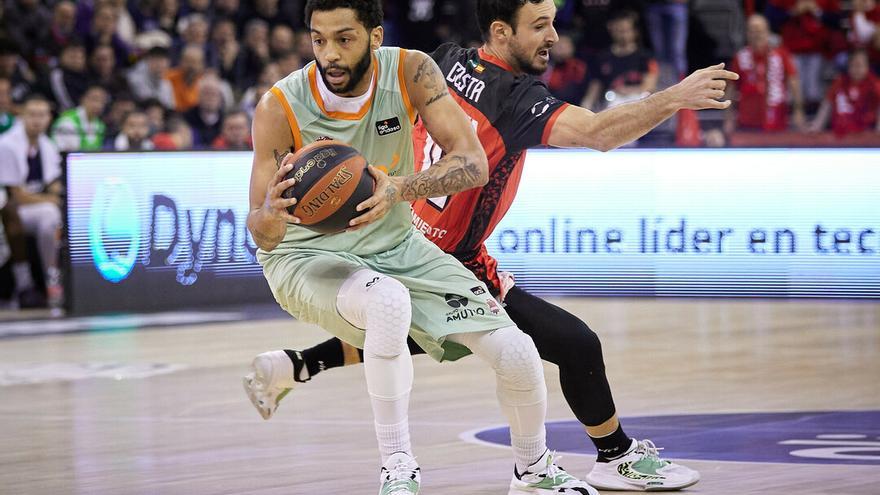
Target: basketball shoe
[(545, 477), (641, 469), (400, 475), (270, 379)]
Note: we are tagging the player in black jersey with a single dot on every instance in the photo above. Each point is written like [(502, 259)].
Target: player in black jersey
[(514, 111)]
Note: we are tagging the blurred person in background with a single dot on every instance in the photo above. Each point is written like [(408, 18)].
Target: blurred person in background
[(70, 79), (30, 169), (281, 41), (852, 100), (205, 119), (185, 78), (567, 77), (25, 23), (229, 56), (195, 30), (288, 63), (155, 112), (256, 51), (178, 135), (236, 133), (119, 107), (14, 68), (304, 46), (863, 33), (103, 72), (147, 78), (229, 9), (810, 32), (7, 116), (768, 80), (249, 99), (81, 128), (135, 133), (103, 32), (625, 72), (60, 32), (668, 28)]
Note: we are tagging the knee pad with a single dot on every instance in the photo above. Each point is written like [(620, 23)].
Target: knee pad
[(381, 305), (517, 362)]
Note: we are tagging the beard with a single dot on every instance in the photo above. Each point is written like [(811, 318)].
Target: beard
[(525, 62), (355, 75)]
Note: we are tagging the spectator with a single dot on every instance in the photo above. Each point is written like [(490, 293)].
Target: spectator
[(206, 118), (104, 73), (7, 117), (31, 171), (852, 100), (185, 78), (231, 10), (668, 27), (201, 7), (249, 99), (155, 112), (16, 70), (288, 63), (236, 135), (281, 41), (256, 50), (103, 32), (168, 16), (567, 77), (26, 21), (120, 106), (230, 58), (177, 137), (863, 32), (147, 78), (194, 30), (625, 72), (268, 12), (81, 128), (304, 46), (767, 79), (135, 134), (70, 79), (808, 29), (125, 26), (60, 32)]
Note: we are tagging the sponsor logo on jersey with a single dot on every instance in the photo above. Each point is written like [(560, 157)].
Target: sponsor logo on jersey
[(478, 291), (494, 308), (467, 85), (388, 126), (541, 107), (456, 301)]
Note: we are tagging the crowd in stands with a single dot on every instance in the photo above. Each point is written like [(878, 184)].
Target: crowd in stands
[(143, 75)]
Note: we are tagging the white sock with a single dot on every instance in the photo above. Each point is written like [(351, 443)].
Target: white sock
[(23, 279), (527, 450)]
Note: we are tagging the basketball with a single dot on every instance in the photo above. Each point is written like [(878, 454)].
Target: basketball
[(331, 180)]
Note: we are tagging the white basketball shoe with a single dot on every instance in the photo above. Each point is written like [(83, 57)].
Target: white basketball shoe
[(400, 475), (545, 477), (270, 379), (642, 469)]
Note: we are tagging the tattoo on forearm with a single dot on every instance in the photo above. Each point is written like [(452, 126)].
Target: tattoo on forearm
[(442, 179), (279, 156)]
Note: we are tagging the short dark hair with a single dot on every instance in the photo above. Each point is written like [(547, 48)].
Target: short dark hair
[(624, 15), (39, 97), (489, 11), (369, 12)]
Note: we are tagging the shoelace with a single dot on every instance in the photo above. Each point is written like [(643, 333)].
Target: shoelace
[(553, 468), (402, 471), (650, 451)]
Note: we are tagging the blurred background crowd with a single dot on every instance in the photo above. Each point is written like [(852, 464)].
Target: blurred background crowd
[(186, 74)]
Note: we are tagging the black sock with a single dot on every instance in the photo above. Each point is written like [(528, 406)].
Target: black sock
[(326, 355), (612, 446)]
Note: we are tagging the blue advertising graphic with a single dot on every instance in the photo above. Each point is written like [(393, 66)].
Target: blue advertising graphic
[(167, 230), (843, 437)]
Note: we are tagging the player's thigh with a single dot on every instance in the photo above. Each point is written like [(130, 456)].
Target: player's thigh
[(306, 285)]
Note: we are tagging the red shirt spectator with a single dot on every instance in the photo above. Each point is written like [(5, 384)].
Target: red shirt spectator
[(803, 30), (852, 99), (567, 78), (767, 77)]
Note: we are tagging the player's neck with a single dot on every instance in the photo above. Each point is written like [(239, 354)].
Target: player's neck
[(501, 55)]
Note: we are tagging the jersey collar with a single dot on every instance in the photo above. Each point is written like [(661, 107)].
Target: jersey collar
[(492, 59)]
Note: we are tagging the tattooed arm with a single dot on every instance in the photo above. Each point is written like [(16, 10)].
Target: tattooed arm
[(464, 165), (268, 217)]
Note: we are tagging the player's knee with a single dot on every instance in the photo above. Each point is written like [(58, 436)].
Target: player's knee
[(517, 363), (388, 315), (584, 349)]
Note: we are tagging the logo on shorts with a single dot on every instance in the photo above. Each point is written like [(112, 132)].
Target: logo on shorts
[(388, 126), (456, 301), (478, 291)]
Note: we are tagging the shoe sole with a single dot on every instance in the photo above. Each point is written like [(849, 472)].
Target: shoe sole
[(249, 382), (638, 488)]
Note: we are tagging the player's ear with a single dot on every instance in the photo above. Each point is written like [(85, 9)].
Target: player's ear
[(500, 30), (377, 35)]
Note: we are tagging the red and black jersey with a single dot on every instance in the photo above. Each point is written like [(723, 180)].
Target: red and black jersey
[(511, 113)]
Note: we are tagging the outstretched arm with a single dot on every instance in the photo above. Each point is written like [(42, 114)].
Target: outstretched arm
[(578, 127), (464, 164)]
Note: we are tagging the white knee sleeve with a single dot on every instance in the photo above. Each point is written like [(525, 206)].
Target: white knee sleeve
[(382, 306)]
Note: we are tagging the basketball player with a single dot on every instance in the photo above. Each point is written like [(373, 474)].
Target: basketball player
[(381, 280), (513, 111)]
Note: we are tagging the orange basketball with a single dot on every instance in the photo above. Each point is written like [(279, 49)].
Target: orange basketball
[(331, 180)]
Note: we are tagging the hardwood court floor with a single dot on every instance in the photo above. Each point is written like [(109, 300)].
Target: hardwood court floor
[(161, 411)]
